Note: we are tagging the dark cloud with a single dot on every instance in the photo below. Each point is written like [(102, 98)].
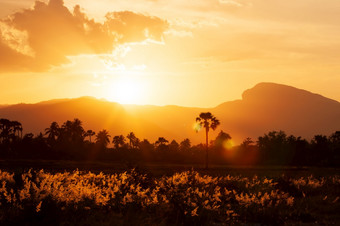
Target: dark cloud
[(53, 32)]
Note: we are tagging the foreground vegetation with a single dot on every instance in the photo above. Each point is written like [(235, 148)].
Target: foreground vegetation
[(188, 197)]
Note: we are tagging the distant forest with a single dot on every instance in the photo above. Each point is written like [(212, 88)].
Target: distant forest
[(70, 141)]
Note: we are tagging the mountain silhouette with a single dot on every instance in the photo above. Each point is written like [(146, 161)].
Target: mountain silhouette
[(270, 106), (263, 108)]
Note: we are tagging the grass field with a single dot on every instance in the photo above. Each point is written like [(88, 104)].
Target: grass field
[(104, 193)]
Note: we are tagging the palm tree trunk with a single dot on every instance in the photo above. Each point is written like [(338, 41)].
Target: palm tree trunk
[(206, 151)]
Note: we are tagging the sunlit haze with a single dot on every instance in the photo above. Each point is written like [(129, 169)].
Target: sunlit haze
[(169, 112), (156, 52)]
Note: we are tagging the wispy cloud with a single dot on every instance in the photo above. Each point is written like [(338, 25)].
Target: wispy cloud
[(231, 2)]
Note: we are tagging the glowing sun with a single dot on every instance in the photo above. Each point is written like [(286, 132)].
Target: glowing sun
[(127, 90)]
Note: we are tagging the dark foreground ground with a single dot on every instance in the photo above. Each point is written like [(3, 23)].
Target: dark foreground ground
[(106, 193), (161, 169)]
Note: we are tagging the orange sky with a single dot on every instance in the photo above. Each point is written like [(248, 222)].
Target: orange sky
[(190, 53)]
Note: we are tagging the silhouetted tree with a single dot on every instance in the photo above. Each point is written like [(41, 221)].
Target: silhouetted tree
[(28, 136), (17, 127), (321, 150), (77, 130), (5, 130), (208, 121), (118, 141), (90, 133), (173, 146), (135, 143), (147, 150), (145, 145), (102, 138), (274, 147), (335, 137), (53, 132), (68, 143), (298, 150), (335, 147), (131, 136), (221, 139), (247, 142), (161, 141), (72, 131), (185, 145)]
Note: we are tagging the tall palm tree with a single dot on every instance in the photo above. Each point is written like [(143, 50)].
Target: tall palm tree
[(77, 130), (53, 131), (90, 133), (65, 132), (72, 131), (102, 138), (208, 121), (131, 136)]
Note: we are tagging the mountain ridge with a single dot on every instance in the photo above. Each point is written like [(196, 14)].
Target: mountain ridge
[(263, 108)]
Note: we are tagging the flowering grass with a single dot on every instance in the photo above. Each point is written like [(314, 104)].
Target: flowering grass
[(186, 198)]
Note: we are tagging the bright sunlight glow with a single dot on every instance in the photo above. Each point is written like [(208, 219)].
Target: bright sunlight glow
[(127, 89)]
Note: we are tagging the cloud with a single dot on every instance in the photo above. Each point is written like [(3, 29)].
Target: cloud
[(130, 27), (36, 39), (180, 33), (10, 59), (231, 2), (16, 39)]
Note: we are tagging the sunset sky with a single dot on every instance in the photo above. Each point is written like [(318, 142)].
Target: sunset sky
[(190, 53)]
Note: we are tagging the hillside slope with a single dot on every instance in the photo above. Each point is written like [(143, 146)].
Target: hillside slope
[(263, 108)]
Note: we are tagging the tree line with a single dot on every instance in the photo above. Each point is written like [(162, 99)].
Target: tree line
[(70, 141)]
